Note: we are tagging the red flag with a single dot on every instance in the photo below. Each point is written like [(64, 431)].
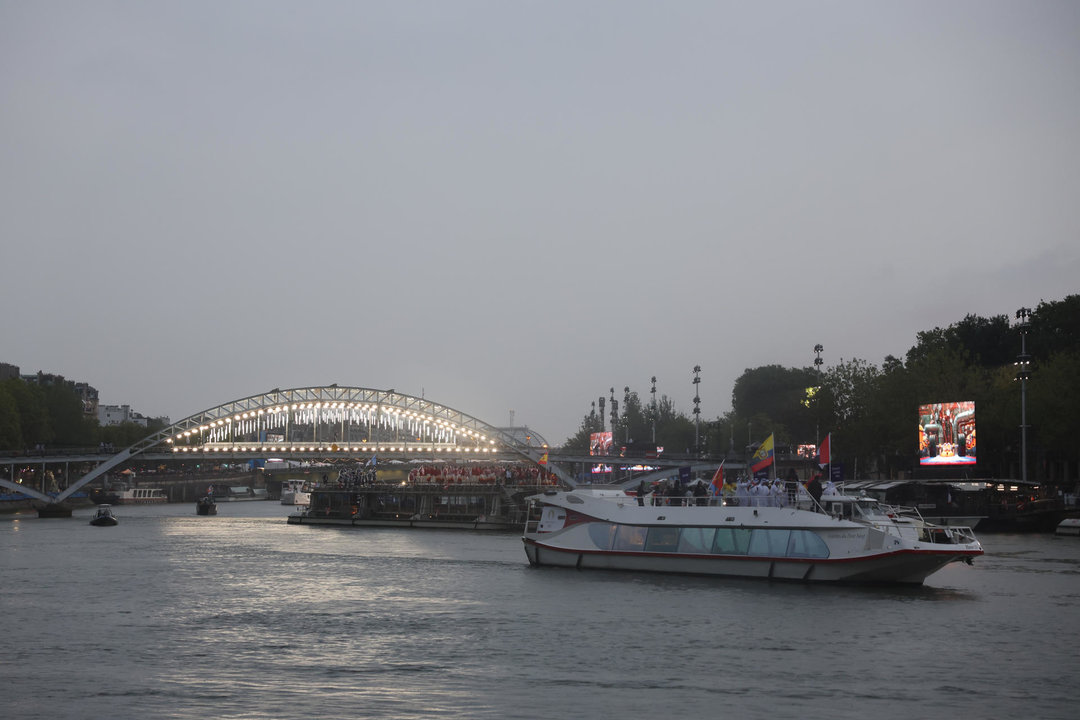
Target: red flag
[(824, 451), (718, 480)]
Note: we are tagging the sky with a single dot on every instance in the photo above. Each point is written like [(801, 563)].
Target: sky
[(512, 207)]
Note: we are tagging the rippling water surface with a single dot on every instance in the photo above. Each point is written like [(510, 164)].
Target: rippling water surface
[(171, 615)]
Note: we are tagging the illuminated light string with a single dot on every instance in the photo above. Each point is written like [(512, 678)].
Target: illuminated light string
[(247, 426)]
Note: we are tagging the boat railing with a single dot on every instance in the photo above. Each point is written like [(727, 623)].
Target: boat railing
[(946, 534)]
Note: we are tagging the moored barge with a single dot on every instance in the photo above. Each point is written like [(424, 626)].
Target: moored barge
[(463, 501)]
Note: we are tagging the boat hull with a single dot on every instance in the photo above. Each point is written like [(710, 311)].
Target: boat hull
[(901, 567), (428, 524), (295, 497)]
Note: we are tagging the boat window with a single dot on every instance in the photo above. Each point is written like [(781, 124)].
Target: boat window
[(696, 540), (839, 509), (663, 539), (771, 543), (731, 541), (807, 544), (866, 509), (630, 537), (602, 534)]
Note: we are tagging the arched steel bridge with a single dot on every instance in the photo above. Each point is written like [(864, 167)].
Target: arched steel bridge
[(325, 422)]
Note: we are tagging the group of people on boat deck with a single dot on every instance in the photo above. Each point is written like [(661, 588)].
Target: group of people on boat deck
[(745, 492), (672, 493), (763, 492)]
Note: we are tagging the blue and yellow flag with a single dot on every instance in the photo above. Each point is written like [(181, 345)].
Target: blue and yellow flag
[(763, 458)]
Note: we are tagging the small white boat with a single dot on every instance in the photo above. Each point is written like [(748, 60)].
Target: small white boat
[(1068, 526), (296, 492), (848, 539), (141, 496)]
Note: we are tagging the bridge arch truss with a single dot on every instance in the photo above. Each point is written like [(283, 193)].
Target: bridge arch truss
[(353, 421)]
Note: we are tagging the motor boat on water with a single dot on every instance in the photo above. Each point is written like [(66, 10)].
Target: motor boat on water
[(206, 505), (104, 517), (843, 539)]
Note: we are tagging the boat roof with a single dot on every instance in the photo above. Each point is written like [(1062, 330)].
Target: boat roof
[(627, 511)]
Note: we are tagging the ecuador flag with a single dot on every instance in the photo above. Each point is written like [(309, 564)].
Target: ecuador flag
[(763, 458)]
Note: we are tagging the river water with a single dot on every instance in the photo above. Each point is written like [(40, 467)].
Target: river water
[(171, 615)]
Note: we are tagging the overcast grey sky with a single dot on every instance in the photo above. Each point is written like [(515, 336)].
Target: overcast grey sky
[(517, 205)]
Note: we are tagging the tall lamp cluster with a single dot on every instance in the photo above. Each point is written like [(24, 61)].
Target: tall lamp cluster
[(1023, 372)]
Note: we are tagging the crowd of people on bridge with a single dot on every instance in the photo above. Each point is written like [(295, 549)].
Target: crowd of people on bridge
[(480, 474)]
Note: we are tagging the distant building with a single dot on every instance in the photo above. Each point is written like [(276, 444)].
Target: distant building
[(89, 397), (86, 392), (118, 414)]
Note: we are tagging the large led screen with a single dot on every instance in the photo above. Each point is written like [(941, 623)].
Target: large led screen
[(947, 433), (600, 443)]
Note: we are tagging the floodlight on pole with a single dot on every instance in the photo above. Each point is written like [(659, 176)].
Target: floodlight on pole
[(818, 349), (654, 409), (697, 407), (1023, 372)]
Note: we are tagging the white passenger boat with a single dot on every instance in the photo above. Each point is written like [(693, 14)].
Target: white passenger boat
[(296, 492), (848, 539), (1068, 526), (141, 496)]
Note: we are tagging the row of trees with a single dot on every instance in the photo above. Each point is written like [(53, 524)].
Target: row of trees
[(52, 416), (871, 410)]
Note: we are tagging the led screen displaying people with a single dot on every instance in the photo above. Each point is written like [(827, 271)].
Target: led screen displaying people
[(947, 433)]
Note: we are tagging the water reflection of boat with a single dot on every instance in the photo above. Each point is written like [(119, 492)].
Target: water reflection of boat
[(104, 517), (857, 540), (206, 505)]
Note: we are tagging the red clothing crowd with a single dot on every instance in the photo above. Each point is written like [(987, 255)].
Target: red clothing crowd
[(445, 474)]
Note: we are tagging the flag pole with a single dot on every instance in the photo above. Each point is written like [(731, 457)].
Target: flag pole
[(830, 456), (774, 459)]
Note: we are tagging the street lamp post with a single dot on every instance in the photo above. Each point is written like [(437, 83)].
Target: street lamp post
[(697, 408), (654, 409), (1023, 372), (818, 349)]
